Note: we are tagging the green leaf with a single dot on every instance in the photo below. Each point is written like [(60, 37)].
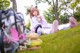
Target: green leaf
[(4, 4)]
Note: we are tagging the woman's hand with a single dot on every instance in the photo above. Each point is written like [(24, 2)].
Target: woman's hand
[(39, 18)]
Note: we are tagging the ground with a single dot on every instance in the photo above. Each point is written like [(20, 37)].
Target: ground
[(64, 41)]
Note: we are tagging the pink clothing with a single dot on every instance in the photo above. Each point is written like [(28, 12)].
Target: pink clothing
[(14, 34)]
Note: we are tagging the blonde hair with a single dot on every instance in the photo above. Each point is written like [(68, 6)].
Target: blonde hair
[(33, 36)]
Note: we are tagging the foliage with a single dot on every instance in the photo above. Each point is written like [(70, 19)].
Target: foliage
[(56, 8), (53, 4), (4, 4), (77, 14), (61, 5), (49, 15), (65, 5), (64, 18), (74, 4), (65, 41), (28, 25)]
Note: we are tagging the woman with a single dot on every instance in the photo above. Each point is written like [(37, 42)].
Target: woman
[(38, 20)]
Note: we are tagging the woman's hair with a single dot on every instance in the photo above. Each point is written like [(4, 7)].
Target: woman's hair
[(32, 10)]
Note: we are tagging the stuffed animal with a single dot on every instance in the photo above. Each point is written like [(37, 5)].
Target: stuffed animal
[(33, 36), (33, 42), (36, 42)]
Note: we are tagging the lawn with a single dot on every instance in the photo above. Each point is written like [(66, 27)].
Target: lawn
[(64, 41)]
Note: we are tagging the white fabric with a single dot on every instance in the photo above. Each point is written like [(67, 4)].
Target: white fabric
[(47, 29), (10, 21), (33, 22), (64, 26)]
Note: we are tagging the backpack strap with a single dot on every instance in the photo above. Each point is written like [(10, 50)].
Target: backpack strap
[(15, 20), (20, 17)]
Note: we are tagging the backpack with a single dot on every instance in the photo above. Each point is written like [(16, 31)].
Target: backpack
[(15, 20), (18, 17)]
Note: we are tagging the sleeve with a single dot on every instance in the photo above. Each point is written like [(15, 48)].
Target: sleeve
[(43, 20)]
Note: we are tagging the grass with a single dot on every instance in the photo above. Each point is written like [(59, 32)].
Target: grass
[(65, 41)]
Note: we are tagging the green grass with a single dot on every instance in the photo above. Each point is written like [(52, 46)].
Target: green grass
[(64, 41)]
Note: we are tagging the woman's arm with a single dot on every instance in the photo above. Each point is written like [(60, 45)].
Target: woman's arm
[(43, 20)]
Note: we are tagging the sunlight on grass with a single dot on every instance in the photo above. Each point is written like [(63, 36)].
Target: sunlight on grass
[(65, 41)]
